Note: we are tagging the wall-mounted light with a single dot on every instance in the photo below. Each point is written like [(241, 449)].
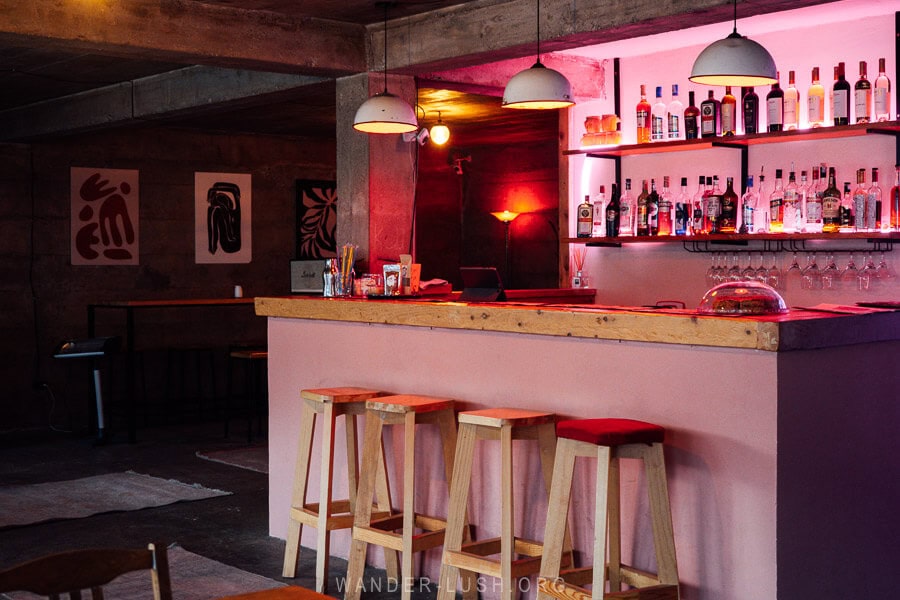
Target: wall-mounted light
[(538, 87), (385, 112), (736, 61), (440, 133)]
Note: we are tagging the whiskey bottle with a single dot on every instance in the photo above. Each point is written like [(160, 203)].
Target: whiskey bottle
[(712, 207), (627, 211), (728, 216), (643, 221), (873, 204), (841, 98), (846, 211), (862, 95), (691, 119), (882, 94), (612, 213), (776, 205), (729, 113), (710, 116), (658, 118), (831, 204), (674, 114), (775, 106), (750, 110), (791, 104), (815, 101), (585, 218), (599, 225), (643, 117)]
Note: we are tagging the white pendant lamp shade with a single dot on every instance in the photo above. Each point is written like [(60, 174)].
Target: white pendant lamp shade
[(538, 88), (440, 133), (385, 113), (736, 61)]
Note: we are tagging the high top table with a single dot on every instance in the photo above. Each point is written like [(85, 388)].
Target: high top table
[(129, 307)]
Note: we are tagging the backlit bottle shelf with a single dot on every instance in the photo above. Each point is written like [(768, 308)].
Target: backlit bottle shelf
[(741, 141), (773, 241)]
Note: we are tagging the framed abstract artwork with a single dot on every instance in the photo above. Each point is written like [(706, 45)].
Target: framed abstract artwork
[(316, 219), (222, 218), (104, 224)]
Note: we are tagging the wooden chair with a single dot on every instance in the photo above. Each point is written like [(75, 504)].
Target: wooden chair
[(76, 571)]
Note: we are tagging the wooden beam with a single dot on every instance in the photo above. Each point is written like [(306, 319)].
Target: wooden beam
[(189, 32)]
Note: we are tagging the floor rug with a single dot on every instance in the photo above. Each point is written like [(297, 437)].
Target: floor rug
[(254, 458), (194, 577), (77, 498)]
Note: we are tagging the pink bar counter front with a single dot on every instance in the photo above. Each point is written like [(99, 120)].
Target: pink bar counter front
[(781, 448)]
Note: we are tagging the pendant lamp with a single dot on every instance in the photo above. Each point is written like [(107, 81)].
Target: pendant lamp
[(385, 112), (736, 61), (440, 133), (538, 87)]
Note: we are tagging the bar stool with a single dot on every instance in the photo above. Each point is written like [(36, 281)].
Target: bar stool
[(255, 361), (408, 411), (609, 440), (328, 514), (505, 425)]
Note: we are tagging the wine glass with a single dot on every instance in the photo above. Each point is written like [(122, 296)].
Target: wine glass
[(793, 275), (868, 277), (830, 274), (811, 275), (850, 275), (774, 276), (734, 272), (762, 273), (712, 271), (884, 272), (749, 273)]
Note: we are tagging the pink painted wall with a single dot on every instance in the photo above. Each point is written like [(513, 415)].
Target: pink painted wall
[(719, 406)]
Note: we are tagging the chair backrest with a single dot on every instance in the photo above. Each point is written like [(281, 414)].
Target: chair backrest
[(76, 571)]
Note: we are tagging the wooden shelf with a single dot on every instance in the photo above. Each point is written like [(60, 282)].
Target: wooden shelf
[(741, 141)]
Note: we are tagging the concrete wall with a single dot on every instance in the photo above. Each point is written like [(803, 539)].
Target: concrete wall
[(43, 297)]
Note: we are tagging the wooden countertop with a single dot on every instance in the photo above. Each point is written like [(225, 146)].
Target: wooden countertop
[(800, 329)]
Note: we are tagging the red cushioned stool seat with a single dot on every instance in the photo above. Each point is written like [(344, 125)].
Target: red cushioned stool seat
[(611, 432)]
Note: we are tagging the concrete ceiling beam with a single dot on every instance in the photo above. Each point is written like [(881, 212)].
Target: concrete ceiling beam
[(190, 90)]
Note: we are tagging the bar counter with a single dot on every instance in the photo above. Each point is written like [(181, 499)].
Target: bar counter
[(780, 448)]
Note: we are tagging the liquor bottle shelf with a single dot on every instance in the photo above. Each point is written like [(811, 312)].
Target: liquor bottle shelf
[(772, 242), (741, 141)]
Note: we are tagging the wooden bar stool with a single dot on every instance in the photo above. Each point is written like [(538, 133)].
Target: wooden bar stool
[(408, 531), (609, 440), (328, 514), (517, 557)]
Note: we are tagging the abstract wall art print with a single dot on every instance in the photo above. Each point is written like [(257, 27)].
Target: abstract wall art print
[(104, 216), (222, 218), (316, 219)]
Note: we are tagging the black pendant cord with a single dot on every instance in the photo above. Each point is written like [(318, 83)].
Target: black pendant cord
[(539, 31), (735, 16), (385, 46)]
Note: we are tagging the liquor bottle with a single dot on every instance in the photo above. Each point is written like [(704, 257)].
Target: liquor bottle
[(658, 118), (653, 210), (750, 110), (748, 207), (882, 94), (728, 216), (803, 191), (894, 208), (599, 218), (729, 113), (813, 221), (841, 100), (674, 114), (791, 104), (846, 211), (713, 206), (862, 95), (831, 205), (775, 106), (710, 116), (815, 101), (683, 210), (776, 205), (626, 211), (643, 221), (859, 201), (612, 213), (761, 218), (643, 117), (697, 207), (664, 219), (873, 204), (790, 206), (691, 119), (585, 218)]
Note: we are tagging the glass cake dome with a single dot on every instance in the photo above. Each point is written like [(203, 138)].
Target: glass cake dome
[(742, 298)]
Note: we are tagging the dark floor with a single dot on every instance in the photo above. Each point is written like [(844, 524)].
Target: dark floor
[(231, 529)]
